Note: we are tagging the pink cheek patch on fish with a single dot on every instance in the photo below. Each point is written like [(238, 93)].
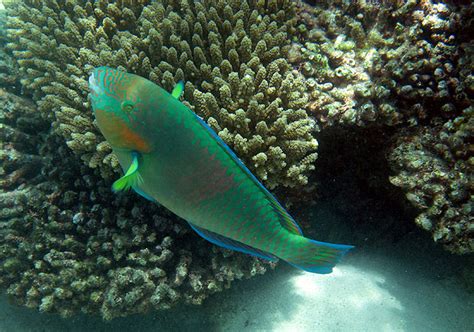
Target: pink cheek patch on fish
[(118, 133)]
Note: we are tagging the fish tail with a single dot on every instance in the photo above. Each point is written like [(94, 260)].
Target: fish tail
[(315, 256)]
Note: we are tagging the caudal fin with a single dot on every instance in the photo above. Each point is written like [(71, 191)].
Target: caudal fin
[(317, 257)]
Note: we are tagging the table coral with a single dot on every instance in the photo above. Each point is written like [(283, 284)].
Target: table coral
[(434, 165), (231, 54), (68, 245), (385, 63)]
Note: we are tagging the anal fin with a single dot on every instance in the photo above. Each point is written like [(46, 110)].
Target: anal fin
[(228, 243), (145, 195)]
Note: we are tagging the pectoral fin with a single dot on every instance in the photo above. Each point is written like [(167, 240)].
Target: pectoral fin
[(131, 178)]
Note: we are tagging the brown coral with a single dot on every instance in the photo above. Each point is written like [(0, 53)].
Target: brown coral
[(231, 54), (386, 63), (435, 167)]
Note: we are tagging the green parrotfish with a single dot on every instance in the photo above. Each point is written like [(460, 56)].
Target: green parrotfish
[(171, 156)]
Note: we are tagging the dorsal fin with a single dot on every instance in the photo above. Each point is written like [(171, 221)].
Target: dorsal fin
[(178, 90), (286, 220)]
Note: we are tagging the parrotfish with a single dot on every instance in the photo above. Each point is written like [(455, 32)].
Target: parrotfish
[(171, 156)]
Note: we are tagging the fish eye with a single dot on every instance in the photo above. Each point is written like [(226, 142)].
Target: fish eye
[(127, 106)]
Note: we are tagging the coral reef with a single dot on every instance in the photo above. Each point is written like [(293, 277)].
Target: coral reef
[(385, 63), (389, 66), (435, 167), (231, 54), (398, 64), (67, 244)]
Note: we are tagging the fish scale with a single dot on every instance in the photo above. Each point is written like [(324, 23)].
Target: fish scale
[(188, 169)]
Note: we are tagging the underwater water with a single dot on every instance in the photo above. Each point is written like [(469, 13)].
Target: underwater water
[(158, 156)]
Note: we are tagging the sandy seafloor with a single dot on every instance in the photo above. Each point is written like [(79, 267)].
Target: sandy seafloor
[(404, 285)]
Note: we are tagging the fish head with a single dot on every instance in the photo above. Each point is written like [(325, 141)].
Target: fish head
[(120, 108)]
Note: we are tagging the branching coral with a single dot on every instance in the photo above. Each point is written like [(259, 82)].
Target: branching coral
[(435, 167), (8, 68), (67, 244), (386, 63), (19, 124), (230, 53)]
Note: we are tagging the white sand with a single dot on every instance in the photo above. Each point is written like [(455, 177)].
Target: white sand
[(367, 293), (396, 288)]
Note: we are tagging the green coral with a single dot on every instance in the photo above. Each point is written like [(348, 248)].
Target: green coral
[(230, 53), (435, 167), (68, 245)]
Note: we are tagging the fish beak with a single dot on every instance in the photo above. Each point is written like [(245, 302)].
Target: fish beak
[(94, 85)]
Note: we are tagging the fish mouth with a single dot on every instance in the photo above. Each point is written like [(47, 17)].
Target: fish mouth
[(95, 90), (94, 85)]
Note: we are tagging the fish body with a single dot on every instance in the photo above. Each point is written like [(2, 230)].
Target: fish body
[(171, 156)]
